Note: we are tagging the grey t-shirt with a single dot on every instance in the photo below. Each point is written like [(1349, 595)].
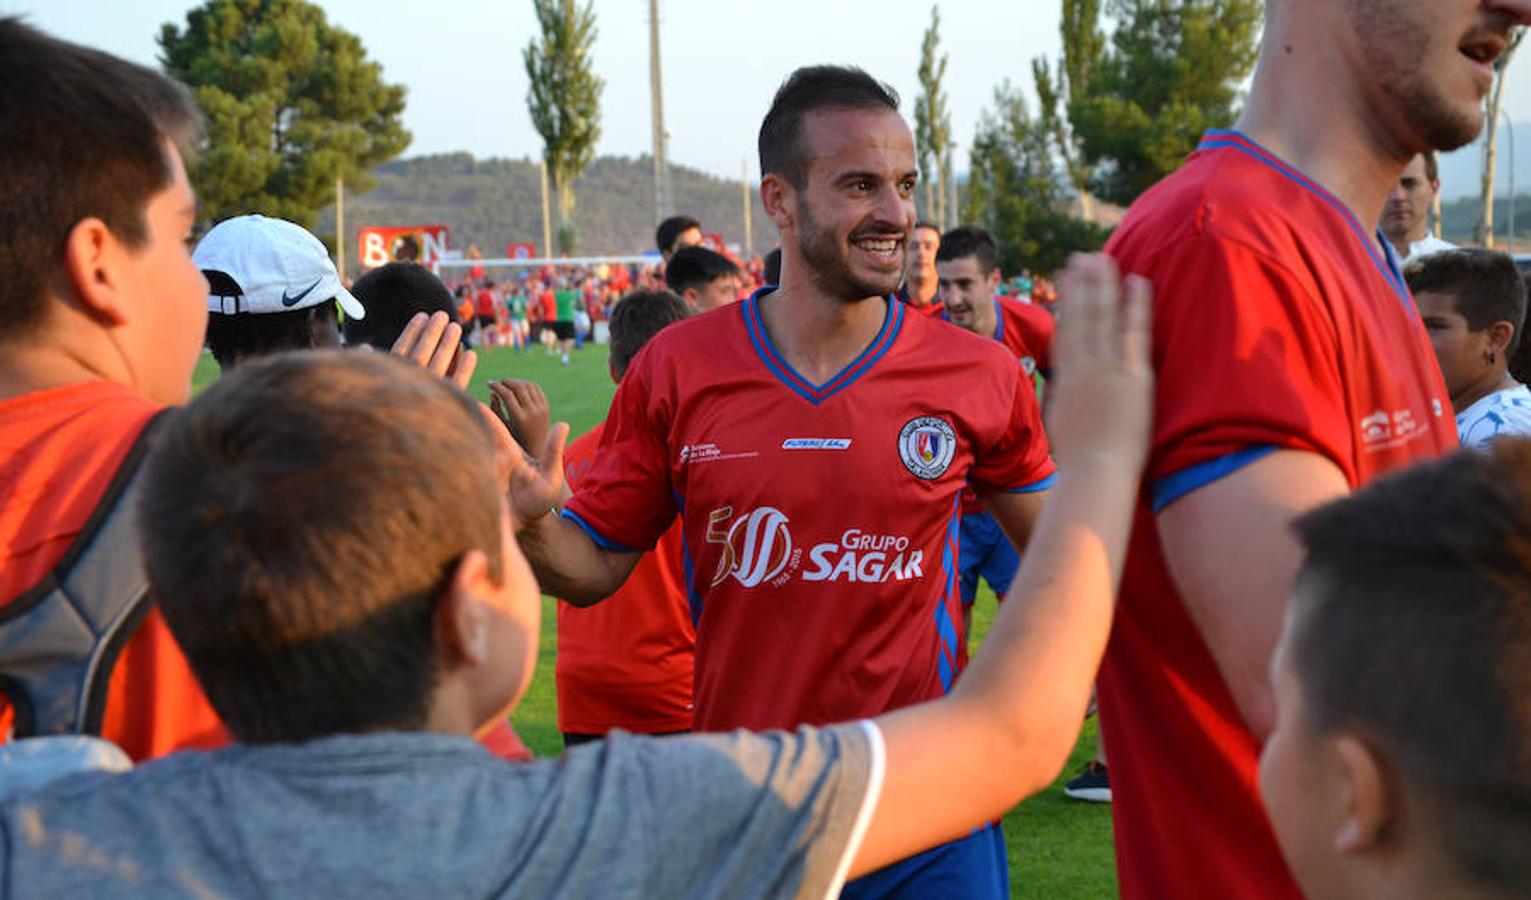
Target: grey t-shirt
[(436, 817)]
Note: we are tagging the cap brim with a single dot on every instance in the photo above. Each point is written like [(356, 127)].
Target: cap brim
[(351, 305)]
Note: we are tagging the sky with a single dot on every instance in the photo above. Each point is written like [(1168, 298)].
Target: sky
[(723, 60)]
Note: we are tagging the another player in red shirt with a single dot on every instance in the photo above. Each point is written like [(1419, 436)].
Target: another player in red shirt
[(814, 440), (1292, 369), (919, 287), (968, 276)]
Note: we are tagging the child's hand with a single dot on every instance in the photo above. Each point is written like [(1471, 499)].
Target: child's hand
[(1102, 404), (523, 407), (436, 344)]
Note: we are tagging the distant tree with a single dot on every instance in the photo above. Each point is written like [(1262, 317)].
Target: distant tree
[(933, 122), (291, 101), (564, 97), (1172, 72), (1484, 232), (1084, 47), (1014, 190)]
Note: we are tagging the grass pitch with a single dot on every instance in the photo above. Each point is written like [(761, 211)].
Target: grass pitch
[(1059, 849)]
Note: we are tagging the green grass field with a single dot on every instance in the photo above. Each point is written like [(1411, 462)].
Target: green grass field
[(1059, 849)]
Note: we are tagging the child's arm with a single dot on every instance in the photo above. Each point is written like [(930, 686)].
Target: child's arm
[(1007, 728)]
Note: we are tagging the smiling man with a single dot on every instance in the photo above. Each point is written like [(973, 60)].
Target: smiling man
[(1293, 369), (814, 439)]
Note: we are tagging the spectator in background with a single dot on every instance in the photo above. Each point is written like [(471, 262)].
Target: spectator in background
[(704, 279), (271, 287), (770, 270), (677, 232), (1406, 217), (1473, 303), (393, 294), (920, 288)]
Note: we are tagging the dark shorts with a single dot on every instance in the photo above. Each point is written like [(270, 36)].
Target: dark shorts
[(563, 330), (986, 552), (973, 868), (485, 321)]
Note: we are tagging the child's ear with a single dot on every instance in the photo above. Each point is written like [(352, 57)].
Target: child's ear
[(462, 623), (92, 269), (1369, 792)]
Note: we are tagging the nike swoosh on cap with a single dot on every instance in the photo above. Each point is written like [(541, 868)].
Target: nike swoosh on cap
[(289, 300)]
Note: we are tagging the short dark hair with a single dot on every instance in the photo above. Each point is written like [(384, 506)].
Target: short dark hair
[(1412, 627), (1485, 283), (85, 135), (635, 320), (969, 240), (239, 338), (770, 267), (296, 538), (926, 225), (392, 294), (696, 267), (807, 90), (670, 229)]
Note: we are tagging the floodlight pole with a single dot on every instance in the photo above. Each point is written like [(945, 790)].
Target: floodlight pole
[(547, 222), (749, 226), (1510, 129), (656, 93), (340, 227)]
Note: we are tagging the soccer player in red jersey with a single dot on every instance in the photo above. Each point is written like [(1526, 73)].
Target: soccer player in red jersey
[(919, 289), (1293, 369), (968, 276), (814, 440)]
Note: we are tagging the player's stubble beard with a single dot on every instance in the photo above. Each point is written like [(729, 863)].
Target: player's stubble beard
[(829, 264), (1393, 45)]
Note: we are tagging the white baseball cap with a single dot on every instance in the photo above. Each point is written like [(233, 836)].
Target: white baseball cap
[(258, 265)]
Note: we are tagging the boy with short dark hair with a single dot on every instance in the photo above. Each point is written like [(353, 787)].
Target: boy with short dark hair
[(278, 504), (393, 294), (1399, 762), (704, 279)]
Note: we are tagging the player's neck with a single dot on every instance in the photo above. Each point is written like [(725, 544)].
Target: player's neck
[(1336, 141), (921, 294), (819, 335)]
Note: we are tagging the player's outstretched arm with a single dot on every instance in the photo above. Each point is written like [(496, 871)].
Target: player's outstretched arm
[(567, 562), (1006, 730)]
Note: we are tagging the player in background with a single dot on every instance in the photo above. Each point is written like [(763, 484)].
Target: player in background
[(627, 662), (814, 440), (675, 233), (1406, 217), (919, 288), (1293, 369), (1400, 771), (704, 279), (1474, 306)]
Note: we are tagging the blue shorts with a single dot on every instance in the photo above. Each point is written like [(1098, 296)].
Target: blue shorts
[(985, 551), (973, 868)]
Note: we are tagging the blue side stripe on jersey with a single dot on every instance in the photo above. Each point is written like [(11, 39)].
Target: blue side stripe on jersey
[(1178, 484), (891, 325), (1384, 260), (946, 664), (600, 540), (1036, 487), (999, 321), (693, 596)]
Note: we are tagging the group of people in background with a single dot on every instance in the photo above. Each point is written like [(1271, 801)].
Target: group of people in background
[(295, 611)]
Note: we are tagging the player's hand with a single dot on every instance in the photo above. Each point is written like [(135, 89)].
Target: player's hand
[(1101, 406), (523, 407), (537, 486), (436, 344)]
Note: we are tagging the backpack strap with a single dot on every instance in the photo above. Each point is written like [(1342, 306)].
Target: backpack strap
[(60, 640)]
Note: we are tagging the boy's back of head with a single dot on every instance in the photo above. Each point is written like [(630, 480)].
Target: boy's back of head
[(1410, 636), (393, 294), (301, 518), (635, 320)]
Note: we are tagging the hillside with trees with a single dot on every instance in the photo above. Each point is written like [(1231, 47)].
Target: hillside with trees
[(493, 202)]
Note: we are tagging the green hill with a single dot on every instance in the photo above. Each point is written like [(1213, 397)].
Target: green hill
[(493, 202)]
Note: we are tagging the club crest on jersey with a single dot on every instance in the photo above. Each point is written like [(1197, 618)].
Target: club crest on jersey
[(927, 445), (756, 548)]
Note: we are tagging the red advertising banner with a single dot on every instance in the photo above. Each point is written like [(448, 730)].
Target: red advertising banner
[(520, 251), (423, 244)]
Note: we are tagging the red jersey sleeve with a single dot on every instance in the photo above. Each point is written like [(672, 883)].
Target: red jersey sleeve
[(626, 500), (1018, 461), (1246, 359)]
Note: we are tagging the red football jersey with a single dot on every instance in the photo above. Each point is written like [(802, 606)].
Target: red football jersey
[(1280, 321), (820, 521), (627, 661), (1027, 330)]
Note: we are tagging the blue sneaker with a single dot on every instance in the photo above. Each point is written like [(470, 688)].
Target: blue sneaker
[(1091, 786)]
